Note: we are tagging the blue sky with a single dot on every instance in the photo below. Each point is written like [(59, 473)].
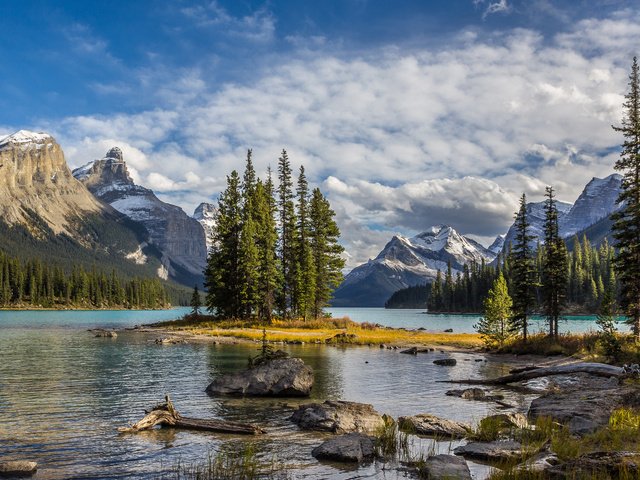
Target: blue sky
[(407, 113)]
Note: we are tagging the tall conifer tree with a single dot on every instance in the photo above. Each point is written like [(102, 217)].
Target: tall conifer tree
[(522, 271), (554, 265), (287, 225), (305, 267), (626, 227)]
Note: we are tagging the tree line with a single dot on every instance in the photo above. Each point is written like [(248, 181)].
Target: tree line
[(275, 249), (37, 284)]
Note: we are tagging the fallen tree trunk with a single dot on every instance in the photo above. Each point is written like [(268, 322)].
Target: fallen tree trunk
[(597, 369), (166, 415)]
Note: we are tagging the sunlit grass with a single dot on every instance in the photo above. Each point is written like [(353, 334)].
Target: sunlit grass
[(321, 331)]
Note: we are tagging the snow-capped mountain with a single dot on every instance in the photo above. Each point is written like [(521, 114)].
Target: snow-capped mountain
[(408, 261), (34, 177), (180, 237), (598, 200), (498, 244), (54, 215), (205, 214)]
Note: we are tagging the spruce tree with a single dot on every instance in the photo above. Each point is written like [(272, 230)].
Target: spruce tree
[(196, 302), (223, 278), (626, 226), (554, 266), (305, 267), (326, 251), (248, 254), (496, 325), (287, 226), (522, 271)]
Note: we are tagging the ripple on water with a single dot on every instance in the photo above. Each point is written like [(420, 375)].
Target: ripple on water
[(64, 392)]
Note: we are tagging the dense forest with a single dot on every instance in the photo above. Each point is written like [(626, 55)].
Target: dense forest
[(275, 249), (32, 283), (589, 272)]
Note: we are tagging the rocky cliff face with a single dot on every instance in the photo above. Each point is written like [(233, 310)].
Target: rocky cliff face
[(34, 177), (205, 214), (178, 236), (408, 261)]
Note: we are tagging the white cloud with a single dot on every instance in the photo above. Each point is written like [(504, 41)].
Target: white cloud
[(399, 139)]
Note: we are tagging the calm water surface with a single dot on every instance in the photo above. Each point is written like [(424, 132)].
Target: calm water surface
[(63, 393)]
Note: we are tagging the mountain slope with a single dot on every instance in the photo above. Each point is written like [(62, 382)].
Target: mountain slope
[(46, 213), (405, 262), (205, 214), (179, 237)]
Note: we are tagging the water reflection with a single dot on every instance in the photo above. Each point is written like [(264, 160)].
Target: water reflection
[(64, 392)]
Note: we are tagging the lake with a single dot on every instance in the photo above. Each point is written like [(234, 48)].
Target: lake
[(64, 392)]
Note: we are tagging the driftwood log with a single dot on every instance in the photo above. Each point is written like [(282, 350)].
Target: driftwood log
[(597, 369), (166, 415)]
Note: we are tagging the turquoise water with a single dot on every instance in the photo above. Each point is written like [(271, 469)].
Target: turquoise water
[(411, 318), (64, 392)]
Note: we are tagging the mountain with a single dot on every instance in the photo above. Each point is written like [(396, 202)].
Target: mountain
[(498, 244), (205, 214), (406, 262), (179, 237), (598, 200), (46, 213), (535, 216)]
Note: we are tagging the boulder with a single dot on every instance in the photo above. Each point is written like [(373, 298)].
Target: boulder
[(425, 424), (441, 467), (17, 468), (281, 377), (468, 393), (619, 464), (541, 462), (338, 416), (350, 447), (445, 362), (410, 351), (584, 410), (498, 451)]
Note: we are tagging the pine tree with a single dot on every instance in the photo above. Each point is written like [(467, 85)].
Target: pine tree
[(287, 234), (554, 266), (248, 253), (196, 302), (267, 237), (607, 323), (326, 251), (626, 226), (223, 278), (305, 274), (522, 271), (496, 326)]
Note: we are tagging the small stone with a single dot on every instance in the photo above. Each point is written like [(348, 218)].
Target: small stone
[(497, 451), (410, 351), (425, 424), (17, 468), (448, 330)]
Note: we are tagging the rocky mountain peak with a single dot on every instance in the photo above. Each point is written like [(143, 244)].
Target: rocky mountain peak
[(205, 214), (26, 137), (108, 173), (115, 153)]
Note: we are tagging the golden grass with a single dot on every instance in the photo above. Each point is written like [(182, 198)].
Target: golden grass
[(321, 331)]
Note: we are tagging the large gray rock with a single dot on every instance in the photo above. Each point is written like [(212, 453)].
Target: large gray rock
[(283, 377), (351, 447), (445, 467), (584, 410), (497, 451), (425, 424), (17, 468), (338, 416)]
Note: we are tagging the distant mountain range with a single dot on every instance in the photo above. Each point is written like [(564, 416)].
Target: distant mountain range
[(407, 262), (95, 217)]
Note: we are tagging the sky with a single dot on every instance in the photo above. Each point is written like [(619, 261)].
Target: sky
[(406, 113)]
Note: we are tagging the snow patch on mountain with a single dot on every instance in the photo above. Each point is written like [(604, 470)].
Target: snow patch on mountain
[(205, 214), (25, 137)]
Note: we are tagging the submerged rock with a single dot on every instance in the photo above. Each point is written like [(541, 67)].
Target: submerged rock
[(105, 333), (17, 468), (337, 416), (445, 467), (446, 362), (498, 451), (351, 447), (425, 424), (282, 377)]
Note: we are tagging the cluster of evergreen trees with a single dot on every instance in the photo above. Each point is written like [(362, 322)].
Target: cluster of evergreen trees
[(274, 249), (36, 284), (589, 271), (416, 296)]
